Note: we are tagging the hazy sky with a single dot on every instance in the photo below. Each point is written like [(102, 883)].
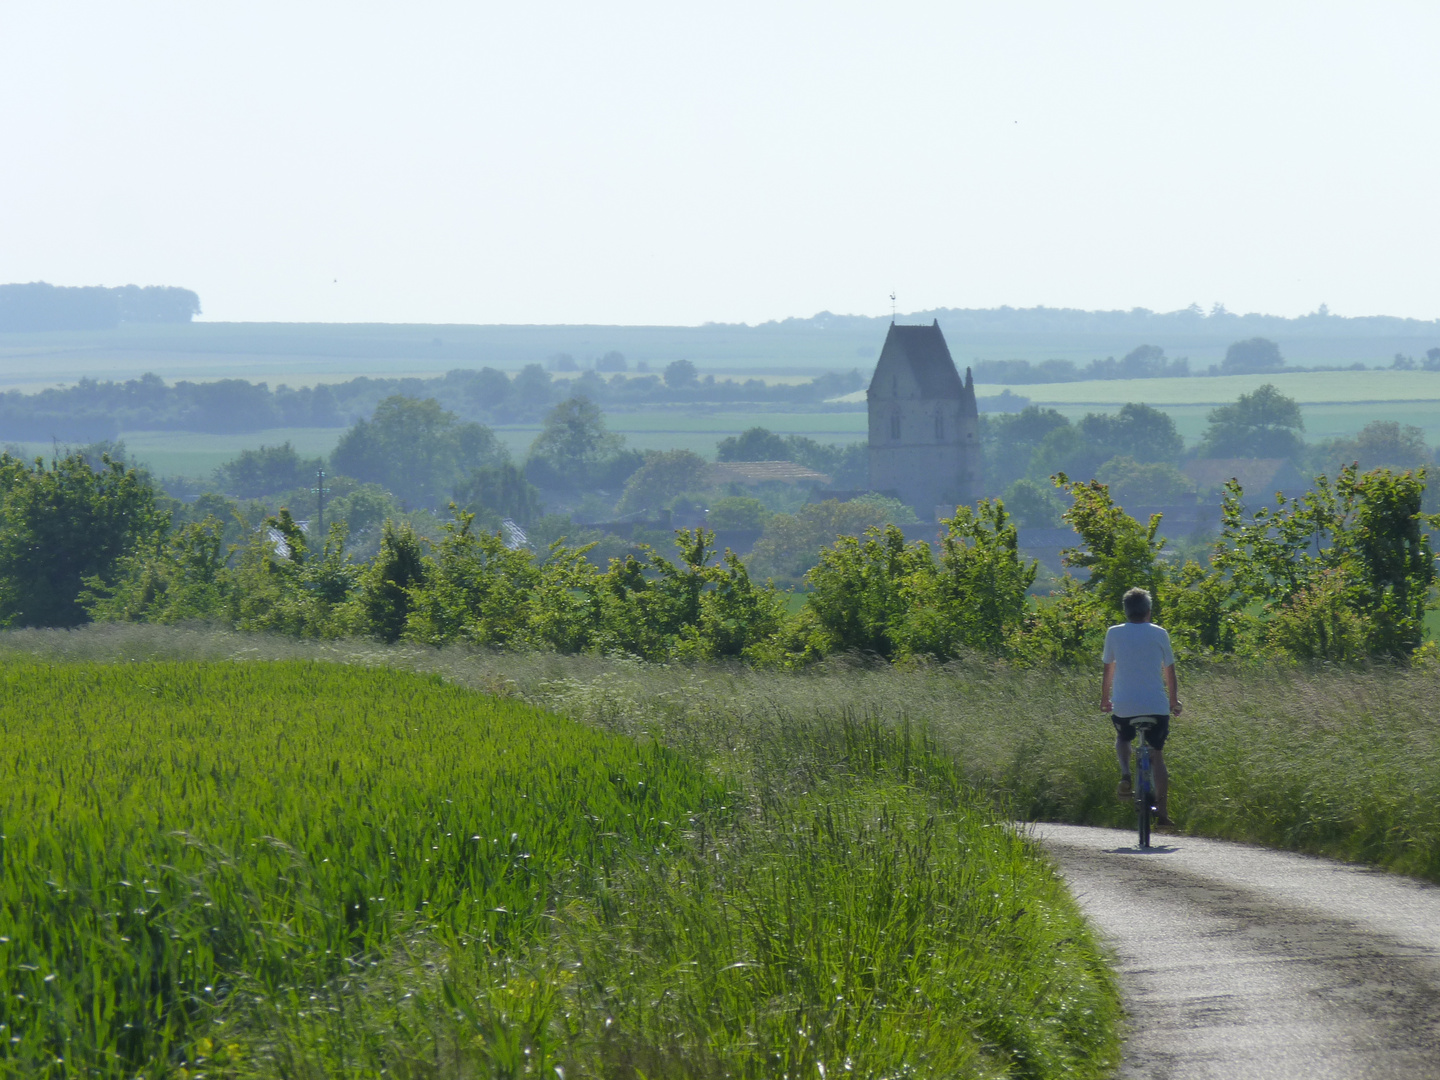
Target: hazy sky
[(678, 163)]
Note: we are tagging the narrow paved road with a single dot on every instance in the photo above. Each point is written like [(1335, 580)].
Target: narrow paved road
[(1239, 962)]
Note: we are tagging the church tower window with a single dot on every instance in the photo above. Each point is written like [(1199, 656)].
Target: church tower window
[(895, 425), (939, 426)]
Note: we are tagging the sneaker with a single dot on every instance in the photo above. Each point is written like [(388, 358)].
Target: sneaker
[(1124, 791)]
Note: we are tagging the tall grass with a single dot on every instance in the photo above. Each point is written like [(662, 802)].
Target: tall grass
[(1334, 760), (1327, 760), (303, 869), (176, 834)]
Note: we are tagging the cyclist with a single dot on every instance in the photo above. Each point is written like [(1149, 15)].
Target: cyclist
[(1139, 680)]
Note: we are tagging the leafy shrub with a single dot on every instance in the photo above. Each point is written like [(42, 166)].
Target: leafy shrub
[(879, 595), (1033, 504), (792, 543), (1317, 623), (737, 512), (64, 527)]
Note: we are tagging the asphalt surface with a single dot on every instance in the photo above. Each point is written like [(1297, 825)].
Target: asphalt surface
[(1241, 962)]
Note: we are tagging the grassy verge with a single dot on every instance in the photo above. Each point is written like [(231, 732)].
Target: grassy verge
[(307, 869), (1335, 761)]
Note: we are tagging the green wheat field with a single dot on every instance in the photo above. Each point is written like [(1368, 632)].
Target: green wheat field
[(290, 867)]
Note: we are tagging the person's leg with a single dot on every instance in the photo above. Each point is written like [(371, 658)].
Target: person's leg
[(1122, 752), (1124, 736), (1162, 782)]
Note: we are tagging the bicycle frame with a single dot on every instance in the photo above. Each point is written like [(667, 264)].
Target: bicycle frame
[(1144, 783)]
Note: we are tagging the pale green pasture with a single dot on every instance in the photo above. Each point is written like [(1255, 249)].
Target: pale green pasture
[(1322, 421), (183, 453), (699, 432), (1317, 387), (187, 453)]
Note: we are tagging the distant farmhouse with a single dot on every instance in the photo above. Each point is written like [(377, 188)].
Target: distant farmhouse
[(924, 426)]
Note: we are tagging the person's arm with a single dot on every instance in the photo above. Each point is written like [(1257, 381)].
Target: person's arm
[(1172, 684), (1107, 680)]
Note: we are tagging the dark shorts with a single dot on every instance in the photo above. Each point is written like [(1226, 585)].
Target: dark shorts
[(1157, 736)]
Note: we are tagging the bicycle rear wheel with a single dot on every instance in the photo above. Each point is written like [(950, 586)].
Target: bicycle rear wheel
[(1144, 796)]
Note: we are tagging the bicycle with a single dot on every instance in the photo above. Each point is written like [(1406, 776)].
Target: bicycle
[(1145, 794)]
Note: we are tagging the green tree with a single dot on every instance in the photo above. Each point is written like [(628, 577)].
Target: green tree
[(267, 471), (1066, 450), (180, 577), (791, 543), (533, 389), (499, 491), (1137, 431), (391, 580), (1318, 622), (1116, 551), (737, 512), (859, 590), (1263, 424), (680, 375), (364, 509), (847, 464), (975, 595), (1368, 532), (1034, 505), (476, 590), (1253, 356), (656, 608), (666, 475), (565, 607), (574, 448), (753, 444), (893, 511), (1011, 439), (283, 585), (415, 449), (487, 388), (1380, 443), (64, 527), (1146, 484)]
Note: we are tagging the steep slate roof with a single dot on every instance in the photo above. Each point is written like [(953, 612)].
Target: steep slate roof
[(922, 349)]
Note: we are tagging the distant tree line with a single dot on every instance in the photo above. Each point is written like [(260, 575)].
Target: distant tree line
[(1138, 452), (411, 458), (1340, 574), (1253, 356), (1140, 322), (92, 411), (39, 306)]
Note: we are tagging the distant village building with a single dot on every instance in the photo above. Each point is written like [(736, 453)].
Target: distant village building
[(924, 426), (754, 473)]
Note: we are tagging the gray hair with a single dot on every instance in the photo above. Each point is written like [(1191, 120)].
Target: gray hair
[(1137, 604)]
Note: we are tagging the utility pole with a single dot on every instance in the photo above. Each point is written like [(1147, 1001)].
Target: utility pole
[(319, 491)]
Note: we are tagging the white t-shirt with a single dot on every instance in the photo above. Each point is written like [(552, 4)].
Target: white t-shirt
[(1140, 653)]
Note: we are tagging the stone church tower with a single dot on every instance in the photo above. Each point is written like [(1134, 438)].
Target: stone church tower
[(924, 426)]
